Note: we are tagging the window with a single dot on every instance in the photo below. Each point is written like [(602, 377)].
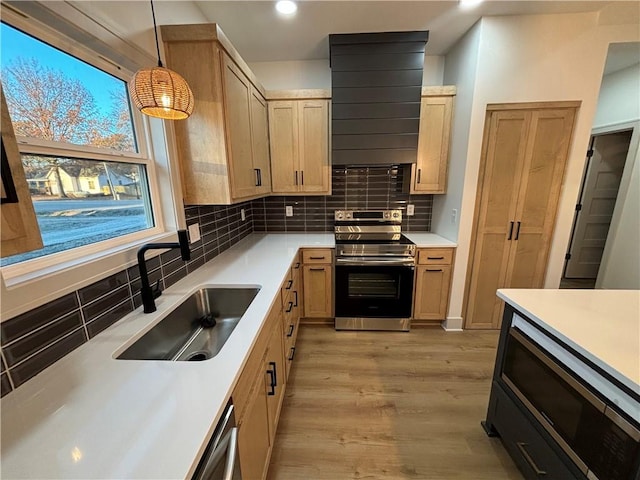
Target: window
[(87, 170)]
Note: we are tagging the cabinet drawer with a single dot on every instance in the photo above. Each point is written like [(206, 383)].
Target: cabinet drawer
[(317, 255), (435, 256), (528, 448)]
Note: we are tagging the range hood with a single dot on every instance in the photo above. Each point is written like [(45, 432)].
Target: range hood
[(376, 85)]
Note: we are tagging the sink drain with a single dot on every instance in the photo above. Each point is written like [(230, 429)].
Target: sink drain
[(198, 357)]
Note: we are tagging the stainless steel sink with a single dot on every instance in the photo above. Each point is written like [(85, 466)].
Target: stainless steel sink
[(197, 329)]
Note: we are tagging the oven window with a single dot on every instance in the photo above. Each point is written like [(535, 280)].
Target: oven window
[(374, 284)]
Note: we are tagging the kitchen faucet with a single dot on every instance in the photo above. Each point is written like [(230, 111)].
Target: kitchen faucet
[(148, 293)]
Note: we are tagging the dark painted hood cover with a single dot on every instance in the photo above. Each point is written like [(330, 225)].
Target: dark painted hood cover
[(376, 85)]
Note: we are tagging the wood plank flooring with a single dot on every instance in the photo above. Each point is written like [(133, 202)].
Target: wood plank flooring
[(387, 405)]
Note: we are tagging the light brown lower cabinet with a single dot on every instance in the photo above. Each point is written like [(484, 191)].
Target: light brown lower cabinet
[(258, 397), (317, 279), (433, 284)]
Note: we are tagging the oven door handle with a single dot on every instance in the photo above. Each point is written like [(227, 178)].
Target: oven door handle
[(375, 262)]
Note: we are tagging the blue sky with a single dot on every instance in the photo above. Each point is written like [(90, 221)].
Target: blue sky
[(15, 44)]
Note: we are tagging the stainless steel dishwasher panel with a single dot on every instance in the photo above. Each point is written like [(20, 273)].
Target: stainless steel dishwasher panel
[(220, 460)]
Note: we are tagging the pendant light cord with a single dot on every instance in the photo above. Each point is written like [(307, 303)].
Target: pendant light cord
[(155, 30)]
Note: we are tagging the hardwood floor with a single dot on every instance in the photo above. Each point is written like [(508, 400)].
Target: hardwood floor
[(387, 405)]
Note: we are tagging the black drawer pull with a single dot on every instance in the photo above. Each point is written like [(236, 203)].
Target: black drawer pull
[(517, 231), (317, 269), (435, 258), (275, 374), (290, 331), (297, 266), (316, 258), (528, 458), (272, 383), (290, 307), (295, 292), (289, 283), (434, 269), (293, 353), (510, 231)]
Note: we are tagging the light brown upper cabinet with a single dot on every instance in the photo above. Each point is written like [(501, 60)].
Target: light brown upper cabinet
[(299, 139), (429, 174), (20, 232), (523, 160), (223, 147)]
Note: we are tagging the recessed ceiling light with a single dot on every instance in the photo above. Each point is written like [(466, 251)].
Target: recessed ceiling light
[(469, 3), (286, 7)]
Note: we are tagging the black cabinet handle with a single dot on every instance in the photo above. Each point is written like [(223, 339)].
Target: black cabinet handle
[(435, 258), (289, 284), (272, 383), (295, 292), (293, 352), (259, 177), (529, 460), (419, 175), (297, 266), (256, 171), (517, 231), (316, 258), (296, 177), (434, 269), (290, 307), (510, 231), (290, 330), (301, 177), (317, 269), (275, 374)]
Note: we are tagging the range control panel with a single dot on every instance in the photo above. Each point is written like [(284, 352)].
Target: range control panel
[(393, 216)]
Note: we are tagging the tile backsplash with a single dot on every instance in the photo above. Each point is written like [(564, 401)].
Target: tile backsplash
[(352, 188), (38, 338)]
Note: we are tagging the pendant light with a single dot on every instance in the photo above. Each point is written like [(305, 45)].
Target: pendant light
[(160, 92)]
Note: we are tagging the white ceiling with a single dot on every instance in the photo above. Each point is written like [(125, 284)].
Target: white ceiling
[(261, 34)]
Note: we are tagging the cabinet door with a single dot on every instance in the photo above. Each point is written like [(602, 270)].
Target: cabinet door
[(275, 378), (544, 163), (433, 145), (432, 292), (260, 142), (317, 287), (283, 142), (313, 121), (253, 435), (237, 105), (498, 185), (20, 232)]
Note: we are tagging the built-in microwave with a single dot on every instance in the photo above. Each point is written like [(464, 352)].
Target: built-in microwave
[(589, 429)]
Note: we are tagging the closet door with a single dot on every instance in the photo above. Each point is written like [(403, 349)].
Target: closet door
[(544, 165), (498, 186)]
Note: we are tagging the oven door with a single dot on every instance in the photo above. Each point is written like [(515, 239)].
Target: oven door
[(373, 287)]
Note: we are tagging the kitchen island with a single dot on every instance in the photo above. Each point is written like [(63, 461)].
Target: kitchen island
[(565, 395)]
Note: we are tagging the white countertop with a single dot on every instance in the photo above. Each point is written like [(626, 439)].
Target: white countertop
[(428, 239), (603, 325), (91, 416)]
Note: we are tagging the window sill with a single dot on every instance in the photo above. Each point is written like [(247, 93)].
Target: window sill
[(24, 291)]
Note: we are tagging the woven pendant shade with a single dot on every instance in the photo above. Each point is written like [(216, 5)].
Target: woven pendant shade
[(160, 92)]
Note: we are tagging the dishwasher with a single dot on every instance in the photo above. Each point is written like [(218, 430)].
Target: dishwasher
[(220, 460)]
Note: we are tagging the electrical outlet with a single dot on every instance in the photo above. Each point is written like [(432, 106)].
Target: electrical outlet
[(242, 215), (454, 215), (411, 210), (288, 211), (194, 233)]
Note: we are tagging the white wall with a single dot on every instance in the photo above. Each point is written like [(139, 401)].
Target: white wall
[(619, 99), (619, 106), (529, 59), (302, 74)]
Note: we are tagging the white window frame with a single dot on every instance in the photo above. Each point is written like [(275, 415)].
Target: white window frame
[(28, 284)]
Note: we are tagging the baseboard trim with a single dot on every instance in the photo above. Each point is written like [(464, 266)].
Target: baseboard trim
[(452, 324)]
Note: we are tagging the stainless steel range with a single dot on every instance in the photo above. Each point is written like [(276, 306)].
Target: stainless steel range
[(375, 265)]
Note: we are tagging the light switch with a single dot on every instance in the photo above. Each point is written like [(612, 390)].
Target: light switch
[(411, 210), (194, 233), (454, 215), (288, 211), (242, 215)]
